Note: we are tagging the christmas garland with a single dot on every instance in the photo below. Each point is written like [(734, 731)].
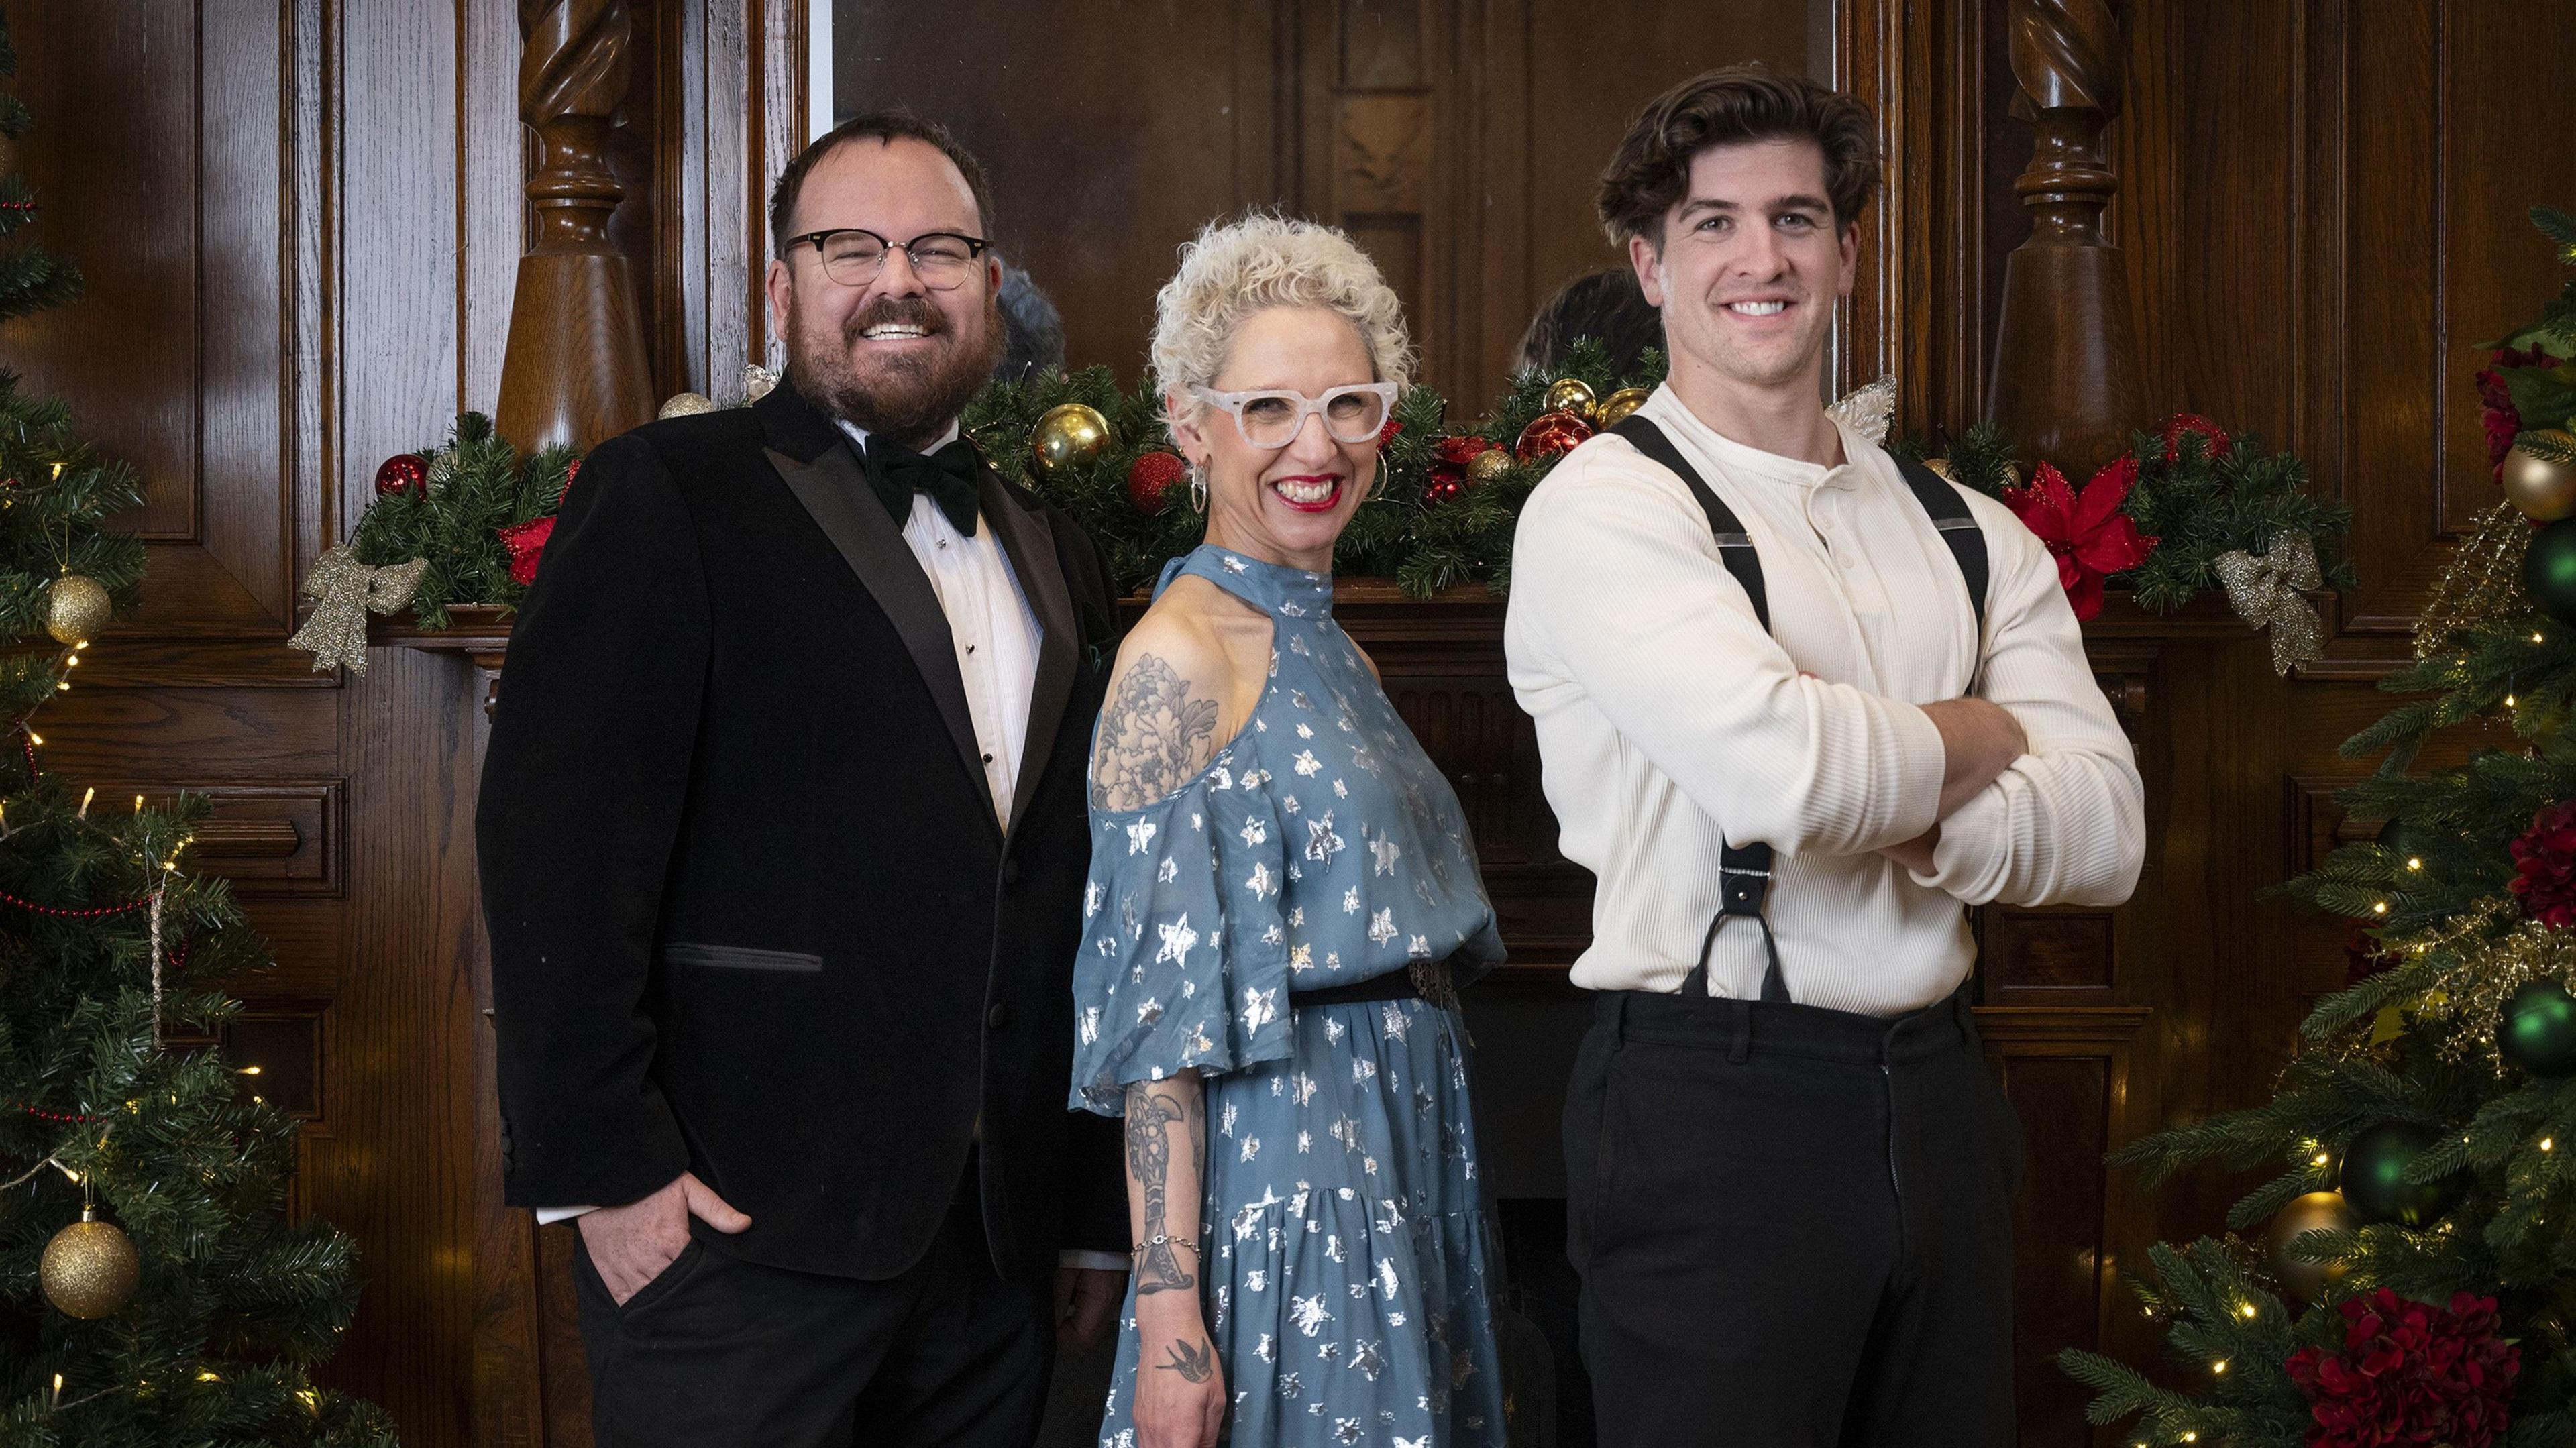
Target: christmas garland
[(2186, 509)]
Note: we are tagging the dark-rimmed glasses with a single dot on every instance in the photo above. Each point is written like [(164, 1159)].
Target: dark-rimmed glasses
[(1272, 416), (853, 256)]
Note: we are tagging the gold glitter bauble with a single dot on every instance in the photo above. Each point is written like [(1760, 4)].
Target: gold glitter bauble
[(1069, 436), (1490, 464), (2315, 1212), (1571, 394), (687, 404), (76, 609), (2541, 490), (90, 1268), (1614, 409), (1940, 468)]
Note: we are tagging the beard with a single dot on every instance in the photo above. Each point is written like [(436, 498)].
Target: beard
[(909, 398)]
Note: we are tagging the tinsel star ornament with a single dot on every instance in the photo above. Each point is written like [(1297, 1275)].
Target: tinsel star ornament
[(345, 592), (2482, 582), (90, 1268)]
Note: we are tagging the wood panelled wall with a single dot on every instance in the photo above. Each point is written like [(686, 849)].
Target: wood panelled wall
[(300, 219), (1459, 142)]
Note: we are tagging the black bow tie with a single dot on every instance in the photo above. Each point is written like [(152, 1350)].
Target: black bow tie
[(948, 476)]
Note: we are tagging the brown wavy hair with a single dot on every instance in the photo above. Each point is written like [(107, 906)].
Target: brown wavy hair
[(1651, 170)]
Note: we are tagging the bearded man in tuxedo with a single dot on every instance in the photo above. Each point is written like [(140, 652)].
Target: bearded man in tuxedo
[(782, 844)]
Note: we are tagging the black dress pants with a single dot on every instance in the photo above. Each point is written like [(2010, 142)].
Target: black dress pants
[(718, 1352), (1793, 1224)]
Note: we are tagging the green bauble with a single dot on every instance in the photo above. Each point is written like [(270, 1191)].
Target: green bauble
[(2549, 570), (2374, 1176), (2402, 840), (2538, 1029)]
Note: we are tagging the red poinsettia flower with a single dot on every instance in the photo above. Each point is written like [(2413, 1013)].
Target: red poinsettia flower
[(2544, 866), (2495, 401), (2410, 1373), (2089, 534), (527, 545), (2214, 442)]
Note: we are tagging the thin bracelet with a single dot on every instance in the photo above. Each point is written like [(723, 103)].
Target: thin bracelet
[(1160, 1239)]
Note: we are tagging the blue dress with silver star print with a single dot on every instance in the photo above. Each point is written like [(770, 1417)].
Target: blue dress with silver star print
[(1346, 1248)]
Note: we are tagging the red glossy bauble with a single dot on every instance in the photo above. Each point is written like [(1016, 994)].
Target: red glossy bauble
[(1549, 434), (1150, 480), (1443, 490), (403, 473)]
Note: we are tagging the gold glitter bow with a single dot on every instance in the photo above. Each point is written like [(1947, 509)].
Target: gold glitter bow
[(2268, 592), (345, 591)]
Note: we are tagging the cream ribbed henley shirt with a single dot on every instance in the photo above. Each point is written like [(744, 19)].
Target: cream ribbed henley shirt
[(1669, 720)]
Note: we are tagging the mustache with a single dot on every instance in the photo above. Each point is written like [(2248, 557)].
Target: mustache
[(907, 311)]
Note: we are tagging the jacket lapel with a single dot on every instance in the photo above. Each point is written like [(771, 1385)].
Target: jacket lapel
[(1030, 545), (828, 481)]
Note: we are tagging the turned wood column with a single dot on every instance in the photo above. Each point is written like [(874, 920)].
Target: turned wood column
[(575, 368), (2065, 380)]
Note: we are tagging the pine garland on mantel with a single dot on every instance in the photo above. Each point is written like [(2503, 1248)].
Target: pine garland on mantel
[(2192, 505)]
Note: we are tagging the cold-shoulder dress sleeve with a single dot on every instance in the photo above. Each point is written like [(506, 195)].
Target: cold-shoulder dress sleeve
[(1184, 963)]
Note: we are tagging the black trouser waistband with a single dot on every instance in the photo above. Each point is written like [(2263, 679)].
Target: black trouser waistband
[(1742, 1028)]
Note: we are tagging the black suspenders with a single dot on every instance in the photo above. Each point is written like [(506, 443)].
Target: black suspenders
[(1744, 871)]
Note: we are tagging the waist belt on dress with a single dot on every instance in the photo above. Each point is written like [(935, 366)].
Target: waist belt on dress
[(1429, 980)]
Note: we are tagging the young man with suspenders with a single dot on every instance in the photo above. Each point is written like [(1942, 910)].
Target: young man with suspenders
[(1797, 704)]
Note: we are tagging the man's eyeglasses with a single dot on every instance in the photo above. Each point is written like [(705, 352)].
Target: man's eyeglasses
[(853, 257), (1271, 418)]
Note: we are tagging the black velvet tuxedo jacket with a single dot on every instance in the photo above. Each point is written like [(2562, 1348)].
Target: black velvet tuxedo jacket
[(751, 914)]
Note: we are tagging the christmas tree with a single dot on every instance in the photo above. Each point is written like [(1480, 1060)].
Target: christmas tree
[(2414, 1276), (151, 1289)]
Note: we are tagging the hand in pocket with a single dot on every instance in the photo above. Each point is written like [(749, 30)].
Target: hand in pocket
[(633, 1244)]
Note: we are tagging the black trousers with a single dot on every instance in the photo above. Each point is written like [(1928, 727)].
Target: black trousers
[(1793, 1224), (722, 1353)]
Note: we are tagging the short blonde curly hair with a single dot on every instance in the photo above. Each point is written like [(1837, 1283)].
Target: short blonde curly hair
[(1236, 268)]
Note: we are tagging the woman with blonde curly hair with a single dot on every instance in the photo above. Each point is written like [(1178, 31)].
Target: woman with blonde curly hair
[(1283, 898)]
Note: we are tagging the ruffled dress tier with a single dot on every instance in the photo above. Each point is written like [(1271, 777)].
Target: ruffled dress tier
[(1347, 1253)]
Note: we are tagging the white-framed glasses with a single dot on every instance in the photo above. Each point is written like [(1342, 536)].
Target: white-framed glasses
[(1273, 416)]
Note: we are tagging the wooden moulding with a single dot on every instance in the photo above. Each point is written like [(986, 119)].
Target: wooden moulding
[(574, 372), (2065, 380)]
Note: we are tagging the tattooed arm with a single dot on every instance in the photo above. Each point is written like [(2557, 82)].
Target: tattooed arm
[(1188, 678), (1180, 1386)]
